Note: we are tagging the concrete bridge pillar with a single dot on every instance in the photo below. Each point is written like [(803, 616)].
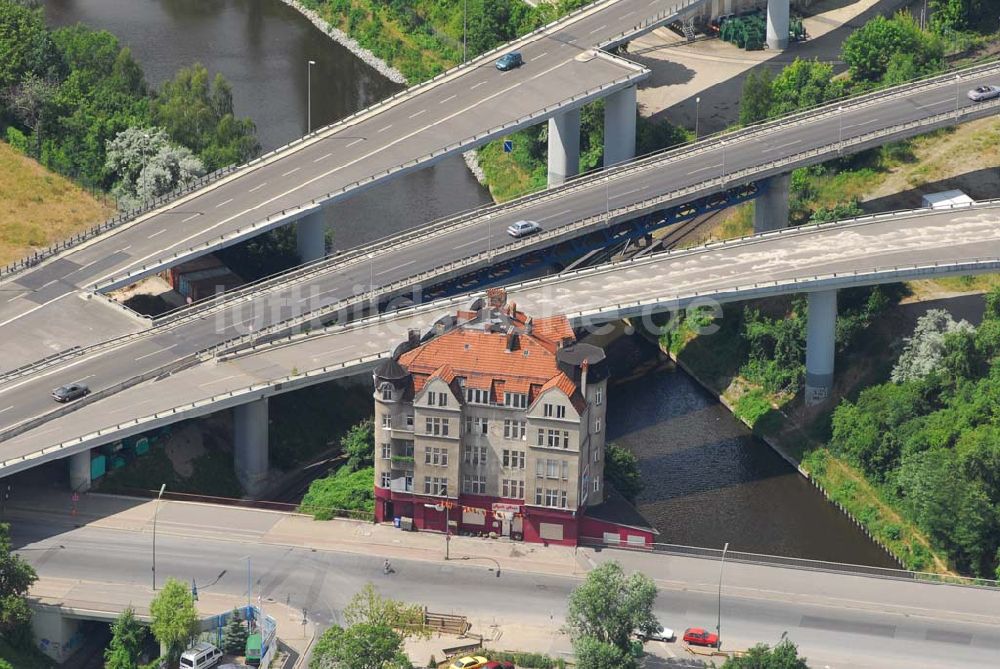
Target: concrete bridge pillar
[(56, 635), (821, 335), (777, 24), (79, 472), (770, 211), (564, 147), (250, 445), (310, 237), (619, 126)]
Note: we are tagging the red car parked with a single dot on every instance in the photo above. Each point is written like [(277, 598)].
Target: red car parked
[(701, 637)]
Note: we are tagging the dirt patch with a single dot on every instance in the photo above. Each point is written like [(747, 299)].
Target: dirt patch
[(184, 447)]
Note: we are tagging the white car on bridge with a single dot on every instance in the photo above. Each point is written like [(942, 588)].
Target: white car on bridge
[(980, 93), (523, 228)]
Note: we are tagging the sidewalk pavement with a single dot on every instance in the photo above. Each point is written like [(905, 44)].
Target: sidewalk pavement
[(714, 69), (109, 599)]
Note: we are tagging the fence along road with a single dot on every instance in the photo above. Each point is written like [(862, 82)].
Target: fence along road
[(884, 248), (453, 247)]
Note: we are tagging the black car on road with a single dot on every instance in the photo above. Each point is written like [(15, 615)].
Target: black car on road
[(70, 392)]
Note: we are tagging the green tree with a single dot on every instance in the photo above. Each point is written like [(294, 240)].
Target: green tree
[(16, 578), (783, 656), (361, 646), (342, 490), (621, 470), (127, 635), (804, 83), (869, 49), (755, 101), (4, 664), (609, 605), (175, 620), (359, 446), (234, 635), (145, 165), (25, 45), (593, 654), (369, 607), (992, 298)]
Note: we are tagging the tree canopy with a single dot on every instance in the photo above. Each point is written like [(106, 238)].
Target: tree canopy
[(785, 655), (127, 635), (175, 620), (609, 605), (360, 646), (16, 578)]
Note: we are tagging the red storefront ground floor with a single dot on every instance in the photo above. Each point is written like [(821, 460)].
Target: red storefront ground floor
[(495, 516)]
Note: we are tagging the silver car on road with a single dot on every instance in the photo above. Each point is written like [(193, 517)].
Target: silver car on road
[(980, 93)]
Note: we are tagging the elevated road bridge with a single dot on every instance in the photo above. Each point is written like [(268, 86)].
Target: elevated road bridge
[(818, 260)]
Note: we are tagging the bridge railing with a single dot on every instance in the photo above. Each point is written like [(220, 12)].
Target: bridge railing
[(797, 563)]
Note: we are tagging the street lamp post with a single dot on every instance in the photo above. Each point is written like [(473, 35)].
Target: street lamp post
[(465, 31), (447, 526), (371, 275), (697, 115), (156, 511), (309, 97), (723, 142), (840, 133), (958, 80), (718, 622)]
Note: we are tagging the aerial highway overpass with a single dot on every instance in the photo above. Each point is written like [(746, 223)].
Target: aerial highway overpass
[(817, 260), (454, 112)]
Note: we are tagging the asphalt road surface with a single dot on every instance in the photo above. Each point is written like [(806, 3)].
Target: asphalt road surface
[(840, 255), (837, 621)]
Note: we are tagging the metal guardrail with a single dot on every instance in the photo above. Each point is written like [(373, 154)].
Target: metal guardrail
[(797, 563)]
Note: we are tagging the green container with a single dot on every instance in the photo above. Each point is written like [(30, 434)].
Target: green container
[(253, 649), (117, 462), (142, 446), (98, 467)]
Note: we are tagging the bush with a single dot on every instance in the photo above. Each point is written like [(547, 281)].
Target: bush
[(752, 406), (526, 660), (343, 491)]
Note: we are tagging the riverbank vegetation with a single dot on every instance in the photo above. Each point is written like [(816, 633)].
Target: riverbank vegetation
[(66, 93), (349, 487)]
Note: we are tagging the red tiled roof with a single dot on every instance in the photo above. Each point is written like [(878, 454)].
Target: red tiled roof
[(565, 384)]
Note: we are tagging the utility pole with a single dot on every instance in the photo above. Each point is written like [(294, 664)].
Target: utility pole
[(156, 511), (718, 622), (309, 97), (465, 31)]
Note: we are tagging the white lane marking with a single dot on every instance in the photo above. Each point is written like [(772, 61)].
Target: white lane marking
[(702, 169), (18, 297), (628, 192), (223, 204), (781, 146), (474, 241), (123, 250), (48, 284), (225, 378), (855, 125), (159, 232), (82, 267), (192, 216), (597, 30), (291, 171), (323, 157), (165, 348), (541, 55), (357, 141), (422, 111), (386, 271), (7, 409), (474, 87), (385, 128), (309, 181), (934, 104), (629, 13), (448, 99), (257, 187), (545, 218)]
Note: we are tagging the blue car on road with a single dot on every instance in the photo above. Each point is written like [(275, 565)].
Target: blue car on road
[(509, 61)]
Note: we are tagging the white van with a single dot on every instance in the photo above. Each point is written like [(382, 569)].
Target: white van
[(200, 656)]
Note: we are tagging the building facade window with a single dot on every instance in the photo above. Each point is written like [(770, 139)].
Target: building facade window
[(437, 457), (514, 429), (386, 451), (551, 497), (409, 420), (552, 469), (516, 400), (387, 421), (474, 455), (477, 396), (437, 426), (476, 425), (599, 396), (553, 438), (512, 488), (597, 484), (513, 459), (547, 410), (436, 485), (597, 426), (386, 480), (473, 484), (386, 391)]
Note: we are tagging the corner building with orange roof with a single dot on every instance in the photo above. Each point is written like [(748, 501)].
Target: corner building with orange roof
[(493, 422)]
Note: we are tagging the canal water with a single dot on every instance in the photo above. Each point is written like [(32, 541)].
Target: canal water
[(263, 48), (707, 480)]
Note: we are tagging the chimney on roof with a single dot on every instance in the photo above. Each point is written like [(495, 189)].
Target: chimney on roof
[(496, 297), (511, 341), (528, 325), (584, 366), (513, 309), (413, 337)]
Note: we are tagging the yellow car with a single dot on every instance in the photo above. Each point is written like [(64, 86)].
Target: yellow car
[(469, 662)]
